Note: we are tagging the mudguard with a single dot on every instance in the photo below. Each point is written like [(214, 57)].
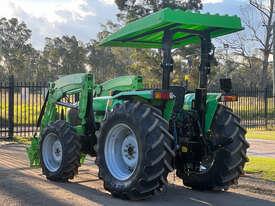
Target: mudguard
[(211, 106)]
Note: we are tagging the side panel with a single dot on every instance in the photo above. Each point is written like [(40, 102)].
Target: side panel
[(211, 106)]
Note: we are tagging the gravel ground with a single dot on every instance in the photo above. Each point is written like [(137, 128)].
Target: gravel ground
[(260, 147), (20, 185)]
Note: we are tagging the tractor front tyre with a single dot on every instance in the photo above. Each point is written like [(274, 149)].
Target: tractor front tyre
[(228, 162), (60, 151), (134, 151)]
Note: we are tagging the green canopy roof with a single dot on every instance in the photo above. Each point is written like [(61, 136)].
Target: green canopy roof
[(148, 32)]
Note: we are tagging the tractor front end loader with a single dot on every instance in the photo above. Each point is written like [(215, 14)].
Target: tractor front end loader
[(138, 135), (58, 148)]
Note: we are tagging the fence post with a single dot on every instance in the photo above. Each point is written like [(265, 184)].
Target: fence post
[(266, 107), (11, 107)]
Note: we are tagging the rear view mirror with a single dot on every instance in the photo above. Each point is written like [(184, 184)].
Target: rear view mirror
[(226, 85)]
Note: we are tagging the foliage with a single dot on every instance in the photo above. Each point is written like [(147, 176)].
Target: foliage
[(33, 152), (65, 55), (61, 55), (22, 140), (264, 9), (244, 71), (252, 48), (25, 112), (15, 47), (147, 62), (267, 135), (261, 165), (114, 61), (132, 9)]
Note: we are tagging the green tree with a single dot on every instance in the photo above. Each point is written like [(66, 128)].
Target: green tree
[(147, 62), (243, 70), (132, 9), (106, 62), (63, 55), (15, 47)]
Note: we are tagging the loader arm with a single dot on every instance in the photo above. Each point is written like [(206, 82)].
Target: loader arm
[(119, 84), (75, 84)]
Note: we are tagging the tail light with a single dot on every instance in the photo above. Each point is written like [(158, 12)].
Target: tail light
[(163, 95), (229, 98)]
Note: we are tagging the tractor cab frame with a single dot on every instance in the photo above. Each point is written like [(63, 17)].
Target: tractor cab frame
[(204, 69), (169, 29)]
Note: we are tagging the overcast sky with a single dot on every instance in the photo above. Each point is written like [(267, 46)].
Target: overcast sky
[(82, 18)]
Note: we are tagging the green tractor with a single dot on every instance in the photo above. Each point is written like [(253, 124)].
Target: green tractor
[(140, 135)]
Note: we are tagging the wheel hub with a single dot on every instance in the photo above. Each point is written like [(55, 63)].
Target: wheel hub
[(129, 151), (52, 152), (57, 150), (121, 151)]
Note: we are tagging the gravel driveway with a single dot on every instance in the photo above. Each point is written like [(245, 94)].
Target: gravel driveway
[(260, 147), (20, 185)]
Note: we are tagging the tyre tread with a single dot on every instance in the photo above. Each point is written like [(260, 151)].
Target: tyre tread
[(71, 163), (149, 181), (230, 159)]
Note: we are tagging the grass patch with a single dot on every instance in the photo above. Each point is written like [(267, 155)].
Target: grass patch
[(252, 107), (23, 114), (22, 140), (265, 166), (267, 135)]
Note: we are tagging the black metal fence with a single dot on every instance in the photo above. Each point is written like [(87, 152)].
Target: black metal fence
[(255, 107), (21, 102)]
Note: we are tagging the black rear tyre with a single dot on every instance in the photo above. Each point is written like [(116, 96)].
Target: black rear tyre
[(229, 161), (62, 164), (155, 153)]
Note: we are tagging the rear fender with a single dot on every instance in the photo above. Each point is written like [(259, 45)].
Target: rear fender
[(211, 106), (105, 103)]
